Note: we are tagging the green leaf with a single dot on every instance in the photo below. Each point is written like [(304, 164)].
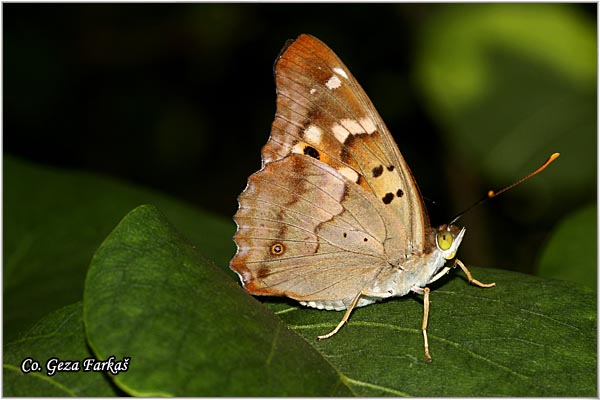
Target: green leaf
[(55, 219), (59, 335), (525, 337), (188, 328), (571, 251)]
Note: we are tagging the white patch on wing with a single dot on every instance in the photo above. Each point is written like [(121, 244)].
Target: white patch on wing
[(298, 148), (349, 126), (368, 124), (349, 173), (313, 134), (353, 127), (333, 82), (313, 91), (341, 72), (340, 133)]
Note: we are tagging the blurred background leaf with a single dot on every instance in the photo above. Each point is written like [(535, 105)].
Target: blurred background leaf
[(180, 98), (570, 253), (53, 224), (509, 84)]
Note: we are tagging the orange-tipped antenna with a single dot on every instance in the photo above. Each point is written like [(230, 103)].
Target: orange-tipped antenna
[(491, 194)]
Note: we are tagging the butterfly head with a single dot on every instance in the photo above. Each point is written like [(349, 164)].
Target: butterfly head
[(448, 238)]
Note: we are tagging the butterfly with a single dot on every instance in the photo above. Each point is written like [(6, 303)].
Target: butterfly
[(334, 218)]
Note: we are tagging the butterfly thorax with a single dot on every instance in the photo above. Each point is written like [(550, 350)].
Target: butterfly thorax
[(415, 270)]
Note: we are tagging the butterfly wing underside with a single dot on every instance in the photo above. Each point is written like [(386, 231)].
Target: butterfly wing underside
[(334, 198)]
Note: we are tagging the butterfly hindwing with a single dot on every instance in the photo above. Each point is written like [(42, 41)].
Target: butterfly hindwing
[(305, 233)]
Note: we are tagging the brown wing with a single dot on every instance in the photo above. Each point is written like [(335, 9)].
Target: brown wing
[(323, 112), (307, 233)]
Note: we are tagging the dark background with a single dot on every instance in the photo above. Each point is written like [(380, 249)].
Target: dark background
[(180, 98)]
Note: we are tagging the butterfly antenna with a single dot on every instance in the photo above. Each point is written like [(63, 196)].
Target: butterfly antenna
[(491, 193), (430, 200)]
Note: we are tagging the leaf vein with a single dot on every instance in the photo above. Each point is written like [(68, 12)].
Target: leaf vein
[(399, 328), (350, 381), (42, 377)]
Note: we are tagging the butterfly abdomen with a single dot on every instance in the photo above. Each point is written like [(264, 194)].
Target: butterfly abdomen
[(337, 305)]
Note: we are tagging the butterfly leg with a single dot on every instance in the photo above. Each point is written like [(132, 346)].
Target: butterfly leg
[(443, 272), (472, 280), (349, 311), (470, 277), (425, 292)]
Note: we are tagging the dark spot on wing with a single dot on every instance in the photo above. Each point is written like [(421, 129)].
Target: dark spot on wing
[(311, 152), (377, 171), (387, 199), (263, 272)]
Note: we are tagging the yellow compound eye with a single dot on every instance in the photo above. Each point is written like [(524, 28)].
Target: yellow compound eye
[(444, 240)]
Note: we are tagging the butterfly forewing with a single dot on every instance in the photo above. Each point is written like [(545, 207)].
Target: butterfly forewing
[(323, 112)]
